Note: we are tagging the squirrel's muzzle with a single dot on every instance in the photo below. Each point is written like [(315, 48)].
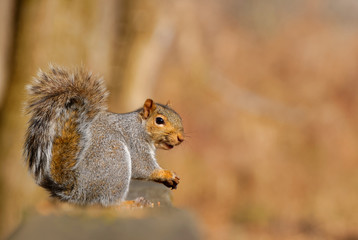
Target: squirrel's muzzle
[(171, 141), (180, 138)]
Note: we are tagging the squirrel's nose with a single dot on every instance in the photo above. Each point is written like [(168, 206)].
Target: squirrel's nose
[(180, 138)]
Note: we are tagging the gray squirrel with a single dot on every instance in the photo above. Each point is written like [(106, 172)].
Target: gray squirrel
[(84, 154)]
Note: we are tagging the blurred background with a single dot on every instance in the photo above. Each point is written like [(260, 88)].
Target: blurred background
[(267, 91)]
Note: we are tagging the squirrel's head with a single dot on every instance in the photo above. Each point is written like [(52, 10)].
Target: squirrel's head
[(163, 124)]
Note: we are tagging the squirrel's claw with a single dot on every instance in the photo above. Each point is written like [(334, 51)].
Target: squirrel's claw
[(172, 183), (168, 178)]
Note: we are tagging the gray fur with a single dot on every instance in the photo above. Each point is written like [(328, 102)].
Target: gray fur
[(113, 148), (115, 155), (49, 94)]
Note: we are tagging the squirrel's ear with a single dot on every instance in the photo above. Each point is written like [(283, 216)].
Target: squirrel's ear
[(169, 103), (148, 108)]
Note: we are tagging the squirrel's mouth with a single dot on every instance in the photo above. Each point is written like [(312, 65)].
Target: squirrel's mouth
[(168, 143), (164, 145), (167, 146)]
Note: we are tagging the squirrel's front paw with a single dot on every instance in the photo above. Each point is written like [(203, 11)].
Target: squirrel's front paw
[(168, 178)]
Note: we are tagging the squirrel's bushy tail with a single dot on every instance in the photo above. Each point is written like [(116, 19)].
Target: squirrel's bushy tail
[(61, 105)]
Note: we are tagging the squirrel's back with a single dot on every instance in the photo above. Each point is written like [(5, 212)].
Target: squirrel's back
[(62, 104)]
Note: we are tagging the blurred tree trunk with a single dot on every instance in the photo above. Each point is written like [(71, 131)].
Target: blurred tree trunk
[(145, 36), (135, 26), (107, 37), (69, 33), (7, 12)]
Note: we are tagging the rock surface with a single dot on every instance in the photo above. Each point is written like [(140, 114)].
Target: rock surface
[(159, 222)]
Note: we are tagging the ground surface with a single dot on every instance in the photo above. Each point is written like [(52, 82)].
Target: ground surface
[(160, 222)]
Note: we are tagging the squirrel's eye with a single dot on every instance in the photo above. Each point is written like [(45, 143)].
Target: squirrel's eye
[(159, 120)]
